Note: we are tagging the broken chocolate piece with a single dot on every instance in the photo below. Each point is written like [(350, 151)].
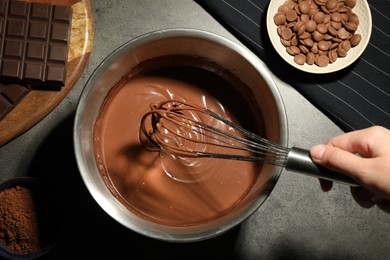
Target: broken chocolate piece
[(10, 96)]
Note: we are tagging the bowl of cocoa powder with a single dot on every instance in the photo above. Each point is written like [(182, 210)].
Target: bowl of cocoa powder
[(319, 36), (28, 219)]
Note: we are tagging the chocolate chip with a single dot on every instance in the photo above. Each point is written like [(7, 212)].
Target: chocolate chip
[(317, 31), (310, 58), (311, 26), (279, 19), (322, 61), (300, 59), (286, 33), (355, 39), (350, 3)]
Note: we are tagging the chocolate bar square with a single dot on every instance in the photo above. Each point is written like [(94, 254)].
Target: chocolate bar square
[(34, 42)]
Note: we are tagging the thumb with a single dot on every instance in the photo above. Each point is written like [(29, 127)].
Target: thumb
[(337, 159)]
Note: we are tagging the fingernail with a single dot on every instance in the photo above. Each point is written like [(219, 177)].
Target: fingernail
[(317, 151)]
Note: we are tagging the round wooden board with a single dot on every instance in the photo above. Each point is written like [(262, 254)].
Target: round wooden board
[(38, 103)]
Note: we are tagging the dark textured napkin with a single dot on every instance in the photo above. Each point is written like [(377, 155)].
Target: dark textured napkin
[(354, 98)]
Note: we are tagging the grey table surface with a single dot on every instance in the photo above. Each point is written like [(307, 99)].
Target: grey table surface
[(297, 221)]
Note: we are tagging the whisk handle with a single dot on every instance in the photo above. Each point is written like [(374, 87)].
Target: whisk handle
[(299, 160)]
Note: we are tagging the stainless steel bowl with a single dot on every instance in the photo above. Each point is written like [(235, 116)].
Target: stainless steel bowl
[(216, 49)]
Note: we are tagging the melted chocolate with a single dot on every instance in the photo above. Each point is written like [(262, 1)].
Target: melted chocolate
[(201, 189)]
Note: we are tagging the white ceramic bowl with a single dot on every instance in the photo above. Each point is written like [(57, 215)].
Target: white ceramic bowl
[(362, 9), (224, 53)]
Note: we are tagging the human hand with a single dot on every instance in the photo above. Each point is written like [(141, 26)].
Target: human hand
[(363, 155)]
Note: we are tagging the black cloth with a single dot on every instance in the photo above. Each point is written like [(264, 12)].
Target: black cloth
[(354, 98)]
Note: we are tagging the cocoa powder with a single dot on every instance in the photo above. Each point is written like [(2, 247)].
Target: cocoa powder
[(23, 224)]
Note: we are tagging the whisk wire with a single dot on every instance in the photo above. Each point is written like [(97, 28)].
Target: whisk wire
[(177, 113), (259, 147)]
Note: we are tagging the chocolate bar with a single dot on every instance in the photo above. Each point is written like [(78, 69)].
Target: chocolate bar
[(10, 96), (34, 40)]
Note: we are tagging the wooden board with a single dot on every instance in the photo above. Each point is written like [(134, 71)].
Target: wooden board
[(39, 103)]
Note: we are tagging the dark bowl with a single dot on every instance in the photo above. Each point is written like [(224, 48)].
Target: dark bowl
[(47, 215)]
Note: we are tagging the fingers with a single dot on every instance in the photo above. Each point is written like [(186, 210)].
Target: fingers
[(338, 160), (368, 143), (353, 142), (372, 173), (363, 155)]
